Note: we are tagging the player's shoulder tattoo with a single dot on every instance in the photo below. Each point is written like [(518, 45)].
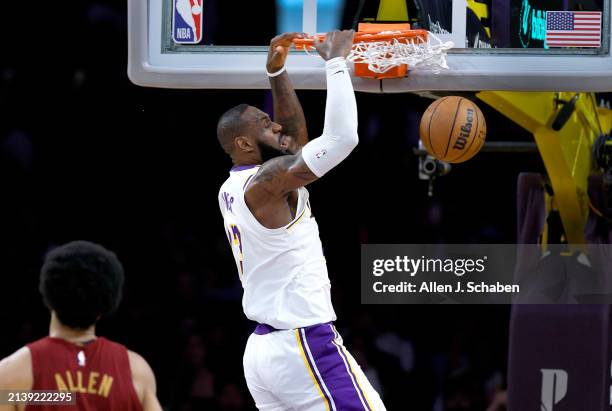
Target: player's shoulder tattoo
[(276, 169)]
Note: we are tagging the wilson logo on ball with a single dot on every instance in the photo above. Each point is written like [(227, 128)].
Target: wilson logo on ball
[(465, 129)]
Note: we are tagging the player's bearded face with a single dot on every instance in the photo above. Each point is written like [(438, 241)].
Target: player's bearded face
[(268, 152)]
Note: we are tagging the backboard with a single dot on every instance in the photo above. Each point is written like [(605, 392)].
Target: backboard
[(537, 45)]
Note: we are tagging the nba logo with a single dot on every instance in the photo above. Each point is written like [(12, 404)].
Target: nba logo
[(81, 359), (187, 21)]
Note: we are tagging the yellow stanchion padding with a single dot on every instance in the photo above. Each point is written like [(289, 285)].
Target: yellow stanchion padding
[(392, 10)]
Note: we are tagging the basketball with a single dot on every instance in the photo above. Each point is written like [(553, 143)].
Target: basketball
[(453, 129)]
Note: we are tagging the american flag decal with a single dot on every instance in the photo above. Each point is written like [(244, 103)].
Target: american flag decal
[(573, 29)]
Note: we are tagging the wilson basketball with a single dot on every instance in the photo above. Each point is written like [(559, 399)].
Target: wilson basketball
[(453, 129)]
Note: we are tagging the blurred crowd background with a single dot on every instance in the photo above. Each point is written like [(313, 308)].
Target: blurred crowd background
[(84, 154)]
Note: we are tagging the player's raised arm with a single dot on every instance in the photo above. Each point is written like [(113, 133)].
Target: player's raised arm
[(287, 108), (286, 173)]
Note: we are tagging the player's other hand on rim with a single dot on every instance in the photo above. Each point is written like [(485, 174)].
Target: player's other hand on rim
[(279, 49), (336, 44)]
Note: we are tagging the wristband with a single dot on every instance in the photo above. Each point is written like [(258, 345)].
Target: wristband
[(337, 63), (277, 73)]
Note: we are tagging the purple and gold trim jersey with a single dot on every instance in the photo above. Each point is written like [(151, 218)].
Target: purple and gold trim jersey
[(282, 270)]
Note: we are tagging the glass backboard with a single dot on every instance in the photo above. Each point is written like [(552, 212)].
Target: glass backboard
[(547, 45)]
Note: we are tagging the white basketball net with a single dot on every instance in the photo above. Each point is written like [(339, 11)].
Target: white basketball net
[(418, 53)]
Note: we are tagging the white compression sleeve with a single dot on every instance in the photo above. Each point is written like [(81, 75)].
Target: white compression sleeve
[(339, 136)]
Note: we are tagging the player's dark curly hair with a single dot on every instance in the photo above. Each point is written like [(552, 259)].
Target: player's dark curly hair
[(81, 282)]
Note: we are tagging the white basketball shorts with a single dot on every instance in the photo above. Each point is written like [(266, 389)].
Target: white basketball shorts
[(305, 369)]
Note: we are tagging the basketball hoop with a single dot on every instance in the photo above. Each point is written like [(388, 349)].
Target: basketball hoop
[(388, 50)]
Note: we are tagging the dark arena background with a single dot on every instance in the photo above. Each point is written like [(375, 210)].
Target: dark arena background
[(85, 154)]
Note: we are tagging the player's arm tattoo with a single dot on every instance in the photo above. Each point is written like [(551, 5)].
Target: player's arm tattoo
[(288, 111), (282, 175)]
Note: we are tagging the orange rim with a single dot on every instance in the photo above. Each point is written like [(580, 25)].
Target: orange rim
[(367, 37)]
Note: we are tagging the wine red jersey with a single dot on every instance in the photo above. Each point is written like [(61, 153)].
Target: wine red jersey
[(98, 372)]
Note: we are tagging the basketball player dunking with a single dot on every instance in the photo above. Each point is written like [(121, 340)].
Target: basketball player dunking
[(80, 282), (295, 359)]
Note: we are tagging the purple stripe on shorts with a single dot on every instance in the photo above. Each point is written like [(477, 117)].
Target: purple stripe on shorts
[(263, 329), (350, 369), (312, 368), (340, 382)]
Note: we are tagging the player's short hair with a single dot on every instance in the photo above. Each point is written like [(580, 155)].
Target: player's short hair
[(230, 126), (81, 282)]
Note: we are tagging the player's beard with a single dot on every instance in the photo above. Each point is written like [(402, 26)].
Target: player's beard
[(268, 152)]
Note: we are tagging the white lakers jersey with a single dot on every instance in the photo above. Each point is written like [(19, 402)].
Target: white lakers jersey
[(282, 270)]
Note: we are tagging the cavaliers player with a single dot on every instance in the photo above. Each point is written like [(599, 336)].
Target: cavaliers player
[(81, 282), (295, 358)]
